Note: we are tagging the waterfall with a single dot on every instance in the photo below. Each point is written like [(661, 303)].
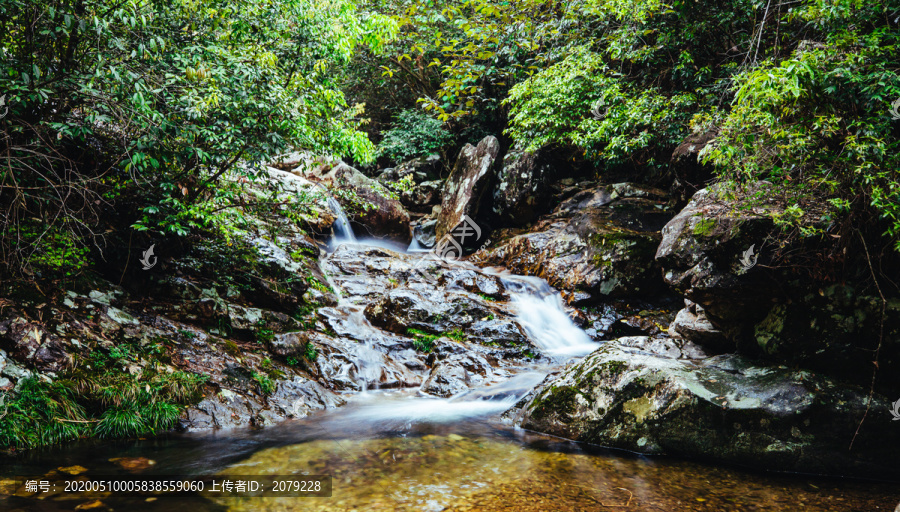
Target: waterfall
[(540, 310), (415, 246), (343, 233)]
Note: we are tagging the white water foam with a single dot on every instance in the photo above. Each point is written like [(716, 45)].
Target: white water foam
[(343, 232), (541, 311)]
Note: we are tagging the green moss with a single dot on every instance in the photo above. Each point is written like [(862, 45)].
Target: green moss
[(559, 400), (610, 368), (614, 367), (704, 227), (231, 348)]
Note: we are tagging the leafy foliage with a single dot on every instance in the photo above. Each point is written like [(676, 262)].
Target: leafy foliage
[(580, 102), (414, 134), (157, 101), (422, 341), (106, 404), (816, 123)]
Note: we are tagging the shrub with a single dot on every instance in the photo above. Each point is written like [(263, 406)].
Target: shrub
[(414, 134)]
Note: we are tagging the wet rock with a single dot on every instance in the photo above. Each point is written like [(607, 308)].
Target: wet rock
[(422, 196), (457, 373), (691, 323), (290, 188), (370, 361), (431, 311), (30, 342), (365, 201), (655, 396), (467, 183), (700, 254), (423, 168), (762, 307), (10, 372), (289, 344), (423, 232), (487, 286), (522, 188), (223, 410), (596, 244), (298, 397)]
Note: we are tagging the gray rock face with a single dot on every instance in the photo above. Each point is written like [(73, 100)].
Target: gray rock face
[(468, 181), (31, 342), (294, 398), (10, 373), (457, 373), (691, 323), (365, 201), (395, 296), (423, 232), (422, 196), (288, 185), (598, 243), (522, 188), (700, 254), (770, 309), (652, 396), (424, 168)]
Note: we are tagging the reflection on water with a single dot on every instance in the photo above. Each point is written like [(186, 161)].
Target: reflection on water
[(396, 451), (456, 472)]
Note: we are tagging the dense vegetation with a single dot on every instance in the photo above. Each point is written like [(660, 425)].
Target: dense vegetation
[(142, 107), (796, 94)]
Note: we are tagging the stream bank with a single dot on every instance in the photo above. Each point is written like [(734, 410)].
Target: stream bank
[(305, 324)]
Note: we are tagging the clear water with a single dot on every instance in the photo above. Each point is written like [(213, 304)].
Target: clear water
[(396, 451)]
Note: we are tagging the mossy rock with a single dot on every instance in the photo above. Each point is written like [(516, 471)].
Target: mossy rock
[(634, 394)]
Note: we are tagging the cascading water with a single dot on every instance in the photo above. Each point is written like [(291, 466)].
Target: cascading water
[(540, 310), (343, 233)]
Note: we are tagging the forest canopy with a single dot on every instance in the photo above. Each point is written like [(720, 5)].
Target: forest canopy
[(150, 103)]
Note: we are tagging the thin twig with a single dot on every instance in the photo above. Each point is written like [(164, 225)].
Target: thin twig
[(880, 339)]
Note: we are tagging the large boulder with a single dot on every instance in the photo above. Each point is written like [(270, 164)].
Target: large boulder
[(691, 323), (457, 373), (598, 243), (763, 302), (424, 168), (652, 396), (366, 202), (469, 180), (421, 197), (522, 189), (701, 252), (290, 189)]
